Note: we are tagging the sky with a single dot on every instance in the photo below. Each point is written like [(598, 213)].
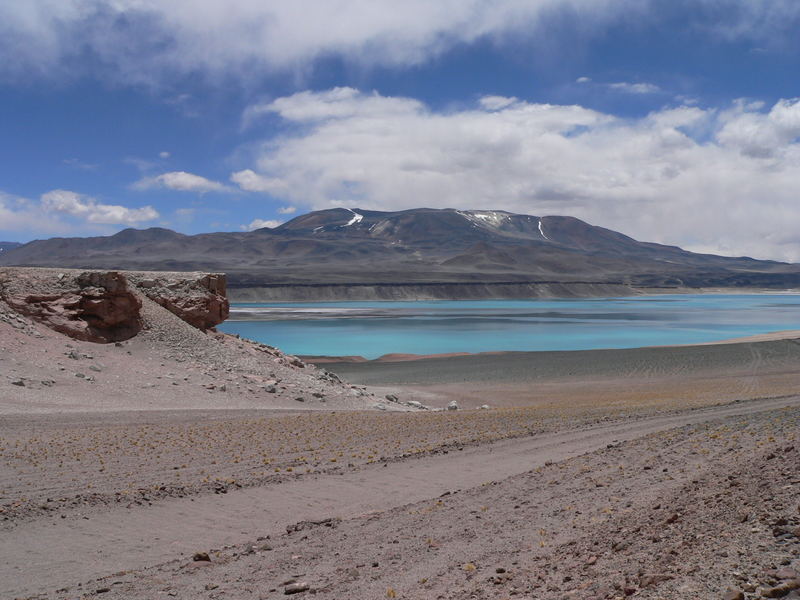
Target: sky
[(673, 121)]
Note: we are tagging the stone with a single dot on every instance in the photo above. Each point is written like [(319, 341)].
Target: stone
[(296, 588), (453, 405), (782, 589), (732, 594), (18, 382), (201, 556)]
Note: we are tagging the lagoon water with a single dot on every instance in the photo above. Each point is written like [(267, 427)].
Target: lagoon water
[(372, 329)]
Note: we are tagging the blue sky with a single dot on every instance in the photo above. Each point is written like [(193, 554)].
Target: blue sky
[(672, 121)]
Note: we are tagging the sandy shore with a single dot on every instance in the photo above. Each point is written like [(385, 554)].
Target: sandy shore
[(676, 376)]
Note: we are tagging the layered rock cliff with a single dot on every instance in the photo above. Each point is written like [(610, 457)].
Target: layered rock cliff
[(105, 306)]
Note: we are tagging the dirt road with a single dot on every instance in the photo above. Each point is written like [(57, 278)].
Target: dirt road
[(50, 552)]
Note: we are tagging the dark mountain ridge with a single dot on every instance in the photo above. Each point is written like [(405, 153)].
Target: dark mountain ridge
[(343, 246)]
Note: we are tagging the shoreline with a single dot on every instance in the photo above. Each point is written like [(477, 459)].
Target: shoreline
[(635, 291), (772, 336)]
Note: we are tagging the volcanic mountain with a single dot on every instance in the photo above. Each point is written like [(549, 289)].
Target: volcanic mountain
[(423, 246)]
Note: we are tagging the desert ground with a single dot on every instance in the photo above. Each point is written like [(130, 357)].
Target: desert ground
[(193, 464), (659, 377)]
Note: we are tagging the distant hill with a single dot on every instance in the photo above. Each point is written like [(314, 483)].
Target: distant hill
[(354, 246), (4, 246)]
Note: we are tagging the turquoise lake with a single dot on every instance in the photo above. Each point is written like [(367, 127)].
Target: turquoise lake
[(371, 329)]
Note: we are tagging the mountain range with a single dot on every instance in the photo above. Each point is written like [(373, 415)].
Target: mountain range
[(419, 246)]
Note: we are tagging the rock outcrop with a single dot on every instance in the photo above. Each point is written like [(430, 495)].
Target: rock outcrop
[(94, 306), (197, 298), (105, 306)]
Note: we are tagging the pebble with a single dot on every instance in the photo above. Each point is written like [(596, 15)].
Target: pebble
[(201, 556), (733, 595), (296, 588), (781, 590)]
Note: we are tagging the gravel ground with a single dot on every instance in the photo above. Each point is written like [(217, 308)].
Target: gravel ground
[(169, 365), (688, 513)]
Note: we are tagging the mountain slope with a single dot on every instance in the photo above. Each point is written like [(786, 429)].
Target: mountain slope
[(5, 246), (354, 246)]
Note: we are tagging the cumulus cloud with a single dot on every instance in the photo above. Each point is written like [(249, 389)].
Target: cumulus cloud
[(708, 179), (20, 214), (760, 135), (287, 210), (180, 181), (259, 224), (79, 205), (250, 181), (62, 212)]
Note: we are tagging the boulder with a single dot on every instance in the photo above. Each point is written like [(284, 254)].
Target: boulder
[(453, 405), (94, 306)]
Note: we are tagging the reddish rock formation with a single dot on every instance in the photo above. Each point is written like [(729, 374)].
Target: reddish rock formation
[(93, 306), (197, 298), (105, 306)]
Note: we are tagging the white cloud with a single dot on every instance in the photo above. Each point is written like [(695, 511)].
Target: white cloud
[(79, 164), (259, 224), (78, 205), (149, 41), (180, 181), (250, 181), (61, 212), (635, 88), (702, 178), (287, 210), (759, 134), (164, 154), (496, 102), (583, 80), (20, 214)]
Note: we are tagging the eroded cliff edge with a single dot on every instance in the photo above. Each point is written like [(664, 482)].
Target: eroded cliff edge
[(106, 306), (55, 355)]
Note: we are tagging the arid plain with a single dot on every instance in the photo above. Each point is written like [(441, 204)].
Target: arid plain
[(186, 464)]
